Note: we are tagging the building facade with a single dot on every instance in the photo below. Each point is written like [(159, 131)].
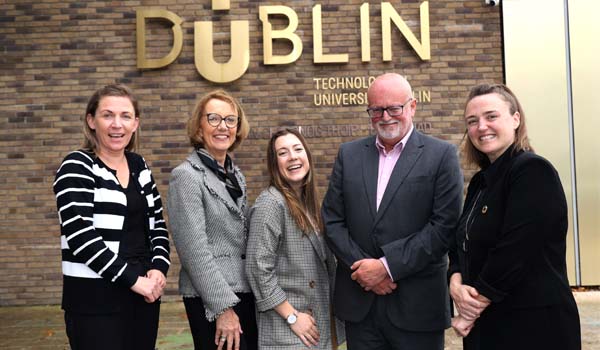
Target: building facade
[(305, 64)]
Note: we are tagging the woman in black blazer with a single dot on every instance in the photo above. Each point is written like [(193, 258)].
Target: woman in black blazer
[(507, 272)]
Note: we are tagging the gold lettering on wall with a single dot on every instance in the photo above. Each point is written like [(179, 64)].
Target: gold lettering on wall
[(319, 57), (333, 91), (288, 33), (140, 34), (240, 44), (220, 5), (422, 95), (331, 83), (388, 15), (365, 33), (240, 52)]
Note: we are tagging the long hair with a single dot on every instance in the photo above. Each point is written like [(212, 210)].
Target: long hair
[(305, 209), (90, 142), (521, 143), (193, 125)]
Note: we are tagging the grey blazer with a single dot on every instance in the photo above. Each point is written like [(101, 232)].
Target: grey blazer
[(285, 264), (412, 228), (209, 231)]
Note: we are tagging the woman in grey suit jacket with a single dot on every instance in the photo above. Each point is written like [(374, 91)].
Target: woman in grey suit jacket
[(207, 211), (289, 267)]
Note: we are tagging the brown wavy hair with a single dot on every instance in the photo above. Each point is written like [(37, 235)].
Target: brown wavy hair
[(305, 209), (90, 142), (473, 156), (193, 125)]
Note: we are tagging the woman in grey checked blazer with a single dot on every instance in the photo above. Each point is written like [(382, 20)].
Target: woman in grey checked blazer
[(289, 267), (207, 210)]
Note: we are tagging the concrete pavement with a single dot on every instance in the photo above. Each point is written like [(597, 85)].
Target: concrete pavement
[(42, 327)]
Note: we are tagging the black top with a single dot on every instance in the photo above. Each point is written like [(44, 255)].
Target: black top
[(135, 244)]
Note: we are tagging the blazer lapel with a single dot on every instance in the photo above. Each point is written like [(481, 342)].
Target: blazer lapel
[(370, 169), (214, 185), (241, 201), (318, 247), (408, 159), (331, 267)]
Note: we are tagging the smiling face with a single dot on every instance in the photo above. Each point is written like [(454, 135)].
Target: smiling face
[(292, 160), (490, 125), (217, 139), (392, 90), (113, 124)]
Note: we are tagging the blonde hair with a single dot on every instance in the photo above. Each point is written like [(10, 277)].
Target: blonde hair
[(193, 125)]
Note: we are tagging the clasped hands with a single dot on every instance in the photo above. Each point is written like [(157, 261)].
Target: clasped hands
[(372, 276), (469, 304), (151, 286)]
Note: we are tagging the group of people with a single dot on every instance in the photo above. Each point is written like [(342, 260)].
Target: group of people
[(368, 266)]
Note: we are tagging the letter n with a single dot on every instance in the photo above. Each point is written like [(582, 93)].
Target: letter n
[(389, 14)]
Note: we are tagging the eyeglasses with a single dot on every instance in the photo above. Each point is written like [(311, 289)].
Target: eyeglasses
[(392, 111), (214, 119)]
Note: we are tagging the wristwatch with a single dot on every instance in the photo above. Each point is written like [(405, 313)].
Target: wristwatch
[(292, 318)]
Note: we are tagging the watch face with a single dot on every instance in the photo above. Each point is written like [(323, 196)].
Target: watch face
[(291, 319)]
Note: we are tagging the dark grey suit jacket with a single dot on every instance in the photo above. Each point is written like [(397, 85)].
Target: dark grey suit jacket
[(412, 228)]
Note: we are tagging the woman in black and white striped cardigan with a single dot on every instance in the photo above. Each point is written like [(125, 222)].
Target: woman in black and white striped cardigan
[(115, 246)]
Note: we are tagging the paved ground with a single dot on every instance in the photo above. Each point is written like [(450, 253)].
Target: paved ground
[(42, 327)]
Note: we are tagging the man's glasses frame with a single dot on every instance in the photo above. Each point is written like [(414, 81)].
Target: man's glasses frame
[(392, 111)]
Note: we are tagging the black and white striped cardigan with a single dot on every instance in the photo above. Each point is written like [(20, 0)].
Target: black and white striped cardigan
[(92, 207)]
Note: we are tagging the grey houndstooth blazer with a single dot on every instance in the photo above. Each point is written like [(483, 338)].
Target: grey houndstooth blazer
[(209, 231), (283, 263)]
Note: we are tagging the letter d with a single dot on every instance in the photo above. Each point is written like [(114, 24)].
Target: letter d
[(140, 17)]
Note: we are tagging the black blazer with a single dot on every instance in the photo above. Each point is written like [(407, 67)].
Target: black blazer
[(516, 218), (412, 228)]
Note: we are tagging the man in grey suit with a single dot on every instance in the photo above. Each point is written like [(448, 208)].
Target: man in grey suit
[(389, 213)]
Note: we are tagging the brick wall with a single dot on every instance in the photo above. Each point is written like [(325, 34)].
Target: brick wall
[(54, 54)]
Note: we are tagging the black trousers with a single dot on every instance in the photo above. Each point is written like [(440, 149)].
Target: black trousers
[(134, 328), (203, 331), (377, 332)]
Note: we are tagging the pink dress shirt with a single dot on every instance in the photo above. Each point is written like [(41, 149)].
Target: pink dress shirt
[(387, 162)]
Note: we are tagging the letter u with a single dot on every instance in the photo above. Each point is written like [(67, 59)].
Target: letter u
[(240, 52)]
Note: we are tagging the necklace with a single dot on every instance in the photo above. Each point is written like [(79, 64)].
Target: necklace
[(467, 225)]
